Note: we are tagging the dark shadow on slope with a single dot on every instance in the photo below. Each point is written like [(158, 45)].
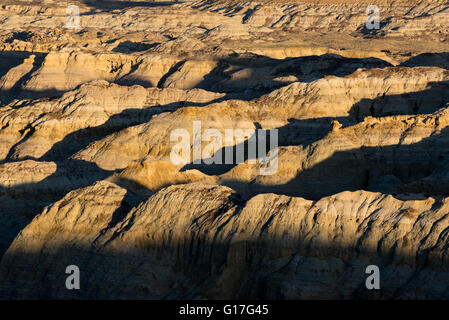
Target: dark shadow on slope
[(430, 59), (373, 32), (72, 144), (257, 75), (20, 35), (413, 103), (380, 169), (24, 201), (10, 227), (80, 139), (11, 59), (249, 13), (70, 174), (296, 132), (131, 80), (305, 132), (229, 157), (269, 267), (261, 74), (135, 194), (106, 5), (173, 69), (32, 95), (130, 46), (17, 91)]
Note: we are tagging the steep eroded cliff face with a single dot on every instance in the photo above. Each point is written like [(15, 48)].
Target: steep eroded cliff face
[(90, 116), (203, 241)]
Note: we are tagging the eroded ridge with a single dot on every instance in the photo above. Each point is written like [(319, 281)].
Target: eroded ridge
[(353, 120)]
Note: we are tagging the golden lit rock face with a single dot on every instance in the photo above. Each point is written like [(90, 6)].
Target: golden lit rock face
[(185, 229), (87, 122)]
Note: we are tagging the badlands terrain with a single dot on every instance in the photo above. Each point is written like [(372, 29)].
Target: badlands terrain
[(88, 103)]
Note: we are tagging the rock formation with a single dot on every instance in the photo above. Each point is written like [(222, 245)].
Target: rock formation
[(87, 115)]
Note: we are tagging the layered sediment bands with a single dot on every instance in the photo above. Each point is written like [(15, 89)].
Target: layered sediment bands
[(57, 128), (376, 92), (202, 241), (391, 154), (420, 16), (26, 187), (145, 177), (88, 122), (65, 71)]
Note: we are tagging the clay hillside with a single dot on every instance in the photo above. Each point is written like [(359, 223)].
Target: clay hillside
[(352, 99)]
